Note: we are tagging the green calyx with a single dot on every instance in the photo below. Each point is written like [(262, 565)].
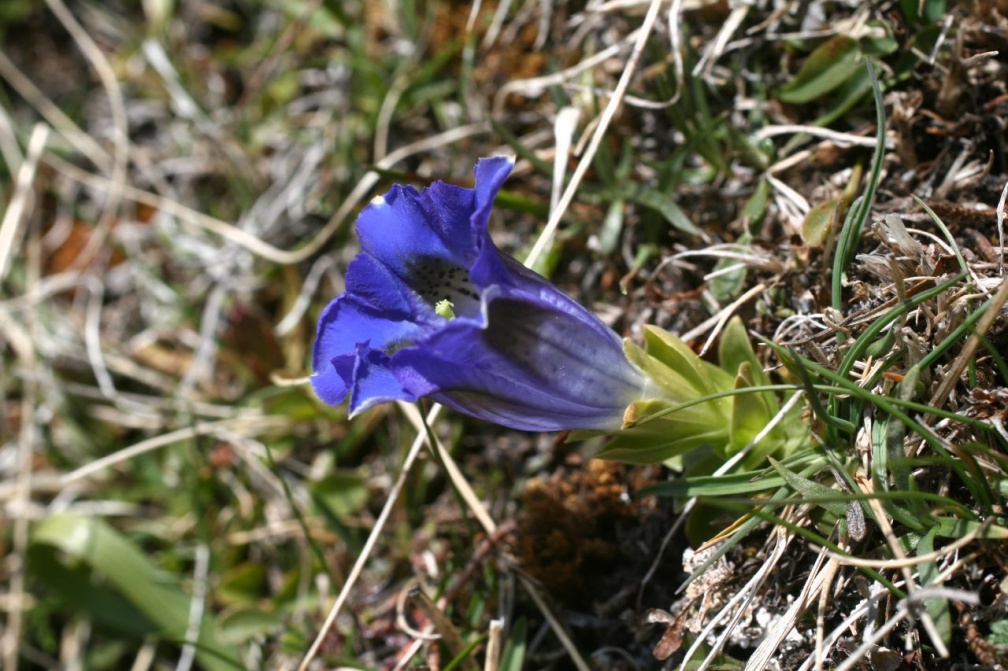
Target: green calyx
[(691, 404)]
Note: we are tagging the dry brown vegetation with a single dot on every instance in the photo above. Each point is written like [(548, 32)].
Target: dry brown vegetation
[(180, 180)]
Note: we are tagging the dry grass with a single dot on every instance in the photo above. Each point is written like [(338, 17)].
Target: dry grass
[(180, 180)]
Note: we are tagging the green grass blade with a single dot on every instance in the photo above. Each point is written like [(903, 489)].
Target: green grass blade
[(513, 658), (119, 561), (854, 223)]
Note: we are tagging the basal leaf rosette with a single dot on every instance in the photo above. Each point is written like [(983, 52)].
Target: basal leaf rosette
[(688, 404)]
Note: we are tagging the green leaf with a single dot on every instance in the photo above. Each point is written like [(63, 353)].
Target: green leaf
[(999, 633), (513, 657), (857, 215), (341, 493), (844, 99), (320, 19), (677, 368), (750, 412), (731, 484), (73, 587), (953, 527), (730, 274), (727, 285), (826, 69), (755, 208), (755, 410), (646, 450), (676, 430), (810, 489), (820, 221), (123, 565), (612, 226), (464, 661), (895, 460), (665, 205), (736, 349), (930, 576), (877, 41), (930, 12), (242, 583), (677, 417), (244, 623)]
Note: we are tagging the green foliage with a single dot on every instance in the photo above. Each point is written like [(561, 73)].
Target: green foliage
[(121, 588), (999, 633), (821, 221), (513, 657), (857, 216), (253, 91), (691, 404), (836, 66), (929, 11), (12, 11), (827, 68)]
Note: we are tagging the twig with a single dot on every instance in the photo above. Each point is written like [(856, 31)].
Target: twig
[(22, 198), (11, 641), (151, 444), (201, 568), (80, 140), (736, 606), (1000, 227), (369, 544), (949, 549), (607, 115), (822, 573), (120, 154), (253, 243)]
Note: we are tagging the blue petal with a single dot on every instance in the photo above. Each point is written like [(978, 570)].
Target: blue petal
[(453, 206), (463, 214), (563, 343), (531, 367), (489, 267), (374, 285), (438, 223), (494, 269), (374, 383), (490, 175), (344, 325), (403, 226), (446, 222), (332, 382)]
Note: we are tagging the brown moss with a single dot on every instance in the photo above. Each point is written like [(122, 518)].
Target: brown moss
[(573, 528)]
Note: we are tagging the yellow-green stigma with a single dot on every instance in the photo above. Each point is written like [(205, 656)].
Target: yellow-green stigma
[(445, 309)]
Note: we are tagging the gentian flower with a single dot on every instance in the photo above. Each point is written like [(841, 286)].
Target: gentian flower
[(433, 309)]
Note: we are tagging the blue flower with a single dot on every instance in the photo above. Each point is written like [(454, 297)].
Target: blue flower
[(433, 309)]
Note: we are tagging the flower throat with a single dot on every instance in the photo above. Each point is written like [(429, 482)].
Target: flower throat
[(437, 280)]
